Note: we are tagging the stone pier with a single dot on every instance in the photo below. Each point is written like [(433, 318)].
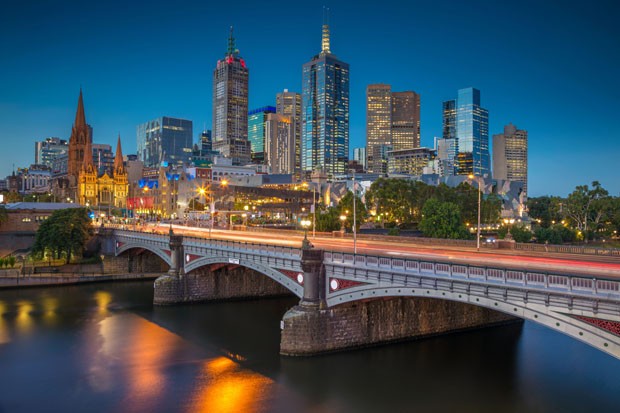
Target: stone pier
[(311, 328)]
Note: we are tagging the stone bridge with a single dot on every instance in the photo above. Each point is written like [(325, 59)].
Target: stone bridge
[(352, 300)]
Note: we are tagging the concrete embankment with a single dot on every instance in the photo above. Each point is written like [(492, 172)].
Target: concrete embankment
[(13, 278)]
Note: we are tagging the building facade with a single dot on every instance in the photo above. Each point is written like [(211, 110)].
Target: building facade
[(289, 104), (472, 134), (165, 140), (230, 106), (411, 161), (80, 138), (46, 151), (280, 144), (257, 132), (392, 118), (510, 155), (325, 112), (359, 155)]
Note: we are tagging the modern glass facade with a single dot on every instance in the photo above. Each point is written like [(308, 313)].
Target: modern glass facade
[(165, 140), (472, 132), (279, 144), (325, 112), (257, 120), (230, 106), (46, 151)]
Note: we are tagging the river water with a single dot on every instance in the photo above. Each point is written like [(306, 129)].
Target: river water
[(106, 348)]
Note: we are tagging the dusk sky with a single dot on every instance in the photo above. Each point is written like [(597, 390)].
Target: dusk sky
[(550, 67)]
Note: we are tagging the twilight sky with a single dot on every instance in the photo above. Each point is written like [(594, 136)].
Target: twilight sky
[(550, 67)]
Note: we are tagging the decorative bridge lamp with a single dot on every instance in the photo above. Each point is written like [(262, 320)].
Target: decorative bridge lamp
[(342, 219), (305, 223), (472, 177)]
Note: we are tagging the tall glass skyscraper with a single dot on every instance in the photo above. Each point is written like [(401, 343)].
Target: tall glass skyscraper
[(257, 121), (230, 106), (165, 140), (289, 104), (325, 112), (472, 133), (447, 146)]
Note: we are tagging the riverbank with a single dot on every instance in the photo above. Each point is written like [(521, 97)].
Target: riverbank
[(13, 278)]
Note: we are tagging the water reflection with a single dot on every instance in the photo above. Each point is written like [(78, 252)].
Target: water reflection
[(50, 306), (4, 327), (226, 387), (24, 321), (103, 299)]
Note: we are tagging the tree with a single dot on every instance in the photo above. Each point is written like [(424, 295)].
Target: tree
[(519, 233), (4, 217), (64, 233), (586, 207), (546, 209), (328, 220), (442, 220), (346, 204)]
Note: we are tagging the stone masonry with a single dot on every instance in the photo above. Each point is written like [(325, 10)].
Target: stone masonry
[(310, 331)]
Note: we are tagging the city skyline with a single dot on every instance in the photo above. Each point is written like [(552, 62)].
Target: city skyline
[(555, 78)]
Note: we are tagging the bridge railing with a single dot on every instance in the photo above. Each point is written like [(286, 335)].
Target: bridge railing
[(537, 280), (569, 249), (242, 246)]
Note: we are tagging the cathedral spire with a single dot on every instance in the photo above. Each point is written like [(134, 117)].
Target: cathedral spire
[(325, 37), (80, 117), (118, 159), (87, 162)]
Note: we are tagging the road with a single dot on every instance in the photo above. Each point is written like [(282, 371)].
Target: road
[(569, 264)]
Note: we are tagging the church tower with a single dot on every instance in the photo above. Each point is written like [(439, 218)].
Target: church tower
[(87, 176), (80, 137), (121, 185)]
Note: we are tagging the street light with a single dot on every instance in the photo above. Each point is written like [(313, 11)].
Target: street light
[(354, 215), (507, 221), (342, 219), (479, 197), (305, 244)]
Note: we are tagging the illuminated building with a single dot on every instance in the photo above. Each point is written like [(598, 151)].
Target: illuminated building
[(230, 106), (392, 118), (472, 134), (280, 144), (257, 124), (165, 140), (289, 104), (325, 112), (510, 155)]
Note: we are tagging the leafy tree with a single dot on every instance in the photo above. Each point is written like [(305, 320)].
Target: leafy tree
[(11, 261), (64, 233), (346, 204), (328, 219), (586, 207), (546, 209), (1, 262), (442, 220), (3, 215)]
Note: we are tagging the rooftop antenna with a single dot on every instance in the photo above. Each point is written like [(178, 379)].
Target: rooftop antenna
[(325, 37), (231, 42)]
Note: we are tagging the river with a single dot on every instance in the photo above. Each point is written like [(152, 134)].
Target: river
[(106, 348)]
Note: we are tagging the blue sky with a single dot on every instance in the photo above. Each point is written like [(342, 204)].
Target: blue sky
[(549, 67)]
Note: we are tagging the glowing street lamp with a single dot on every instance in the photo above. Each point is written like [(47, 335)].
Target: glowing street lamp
[(305, 223), (342, 219)]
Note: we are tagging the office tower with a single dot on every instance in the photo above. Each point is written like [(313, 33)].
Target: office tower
[(46, 151), (472, 135), (165, 140), (289, 104), (447, 146), (103, 157), (405, 120), (380, 158), (410, 161), (230, 106), (325, 112), (206, 143), (392, 118), (280, 144), (359, 155), (257, 120), (510, 155)]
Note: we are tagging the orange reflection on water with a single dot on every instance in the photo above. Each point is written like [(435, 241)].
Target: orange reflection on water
[(24, 321), (103, 298), (4, 328), (226, 387), (50, 305)]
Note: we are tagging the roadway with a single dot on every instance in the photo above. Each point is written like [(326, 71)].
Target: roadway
[(569, 264)]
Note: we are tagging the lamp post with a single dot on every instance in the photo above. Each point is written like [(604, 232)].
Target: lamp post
[(354, 215), (305, 244), (479, 197), (342, 219)]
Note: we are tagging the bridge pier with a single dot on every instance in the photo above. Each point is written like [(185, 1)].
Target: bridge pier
[(311, 328), (172, 288)]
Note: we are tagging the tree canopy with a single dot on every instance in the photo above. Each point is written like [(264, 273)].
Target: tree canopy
[(63, 234), (442, 220)]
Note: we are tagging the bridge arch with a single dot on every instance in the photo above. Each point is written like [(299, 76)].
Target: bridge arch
[(124, 248), (274, 274), (573, 325)]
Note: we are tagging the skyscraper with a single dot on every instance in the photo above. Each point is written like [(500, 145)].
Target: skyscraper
[(447, 146), (165, 139), (279, 144), (472, 134), (359, 155), (46, 151), (257, 121), (230, 106), (325, 112), (289, 104), (392, 118), (510, 155)]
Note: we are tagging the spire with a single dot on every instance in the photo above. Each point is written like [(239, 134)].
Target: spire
[(88, 156), (80, 118), (118, 159), (325, 37), (231, 43)]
